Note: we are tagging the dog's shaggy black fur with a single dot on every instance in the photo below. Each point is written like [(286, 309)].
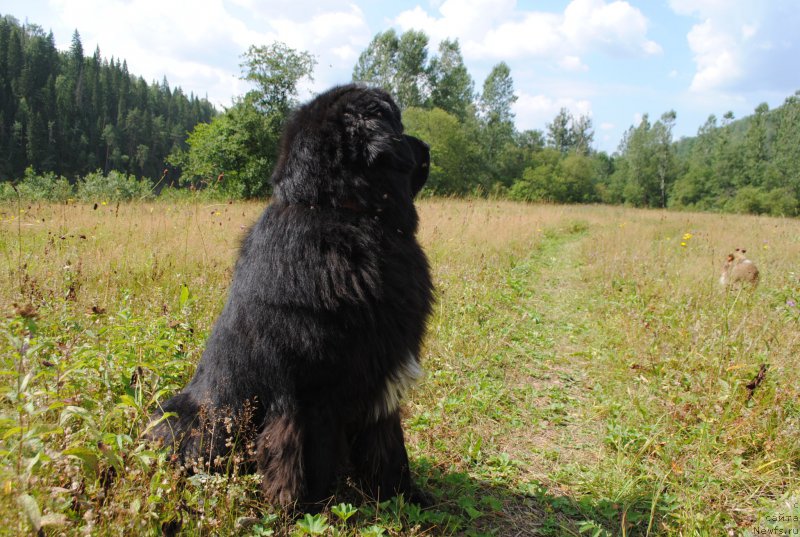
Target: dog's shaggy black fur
[(321, 332)]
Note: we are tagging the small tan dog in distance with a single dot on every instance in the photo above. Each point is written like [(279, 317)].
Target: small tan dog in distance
[(739, 269)]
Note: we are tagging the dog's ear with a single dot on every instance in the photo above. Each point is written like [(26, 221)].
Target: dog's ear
[(369, 137), (372, 124)]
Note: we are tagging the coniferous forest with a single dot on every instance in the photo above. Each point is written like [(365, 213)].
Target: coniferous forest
[(73, 113), (77, 118)]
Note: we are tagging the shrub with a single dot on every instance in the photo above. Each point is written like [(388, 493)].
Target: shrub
[(781, 202), (748, 200), (35, 187), (115, 186)]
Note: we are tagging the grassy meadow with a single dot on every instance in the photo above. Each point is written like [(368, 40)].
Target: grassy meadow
[(586, 374)]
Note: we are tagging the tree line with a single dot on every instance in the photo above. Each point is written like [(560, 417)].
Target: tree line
[(748, 165), (117, 122), (475, 147), (70, 114)]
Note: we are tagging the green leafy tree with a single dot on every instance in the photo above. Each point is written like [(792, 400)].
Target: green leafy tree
[(787, 145), (575, 180), (397, 64), (412, 80), (498, 96), (664, 153), (605, 166), (726, 162), (497, 117), (559, 134), (582, 135), (756, 148), (276, 70), (646, 167), (237, 150), (696, 188), (518, 155), (455, 157), (558, 179), (452, 88), (234, 153), (568, 133), (377, 64), (537, 181)]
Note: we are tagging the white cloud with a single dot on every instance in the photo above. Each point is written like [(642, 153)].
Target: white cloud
[(716, 56), (535, 35), (418, 18), (750, 46), (198, 44), (572, 63), (534, 111), (319, 30), (490, 29), (616, 27)]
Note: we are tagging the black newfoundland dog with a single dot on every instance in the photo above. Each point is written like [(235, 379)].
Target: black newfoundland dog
[(321, 333)]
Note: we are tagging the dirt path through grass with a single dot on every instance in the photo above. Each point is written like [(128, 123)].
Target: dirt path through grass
[(562, 431), (511, 400)]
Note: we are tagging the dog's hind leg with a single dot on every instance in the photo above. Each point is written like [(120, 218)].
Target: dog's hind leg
[(298, 457), (280, 460)]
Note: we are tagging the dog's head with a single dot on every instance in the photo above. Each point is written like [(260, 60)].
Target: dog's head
[(346, 148)]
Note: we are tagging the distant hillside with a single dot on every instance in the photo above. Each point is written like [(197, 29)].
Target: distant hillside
[(72, 114), (749, 165)]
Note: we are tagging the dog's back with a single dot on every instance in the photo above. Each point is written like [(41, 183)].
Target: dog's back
[(739, 269)]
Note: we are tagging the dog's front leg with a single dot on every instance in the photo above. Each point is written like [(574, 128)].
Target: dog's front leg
[(381, 461)]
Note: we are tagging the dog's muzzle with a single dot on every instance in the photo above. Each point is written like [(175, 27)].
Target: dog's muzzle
[(422, 158)]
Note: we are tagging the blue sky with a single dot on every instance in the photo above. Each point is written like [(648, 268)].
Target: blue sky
[(611, 60)]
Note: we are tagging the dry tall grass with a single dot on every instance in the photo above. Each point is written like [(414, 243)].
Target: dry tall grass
[(585, 369)]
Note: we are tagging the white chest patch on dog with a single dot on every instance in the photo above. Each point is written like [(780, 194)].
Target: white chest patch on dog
[(407, 374)]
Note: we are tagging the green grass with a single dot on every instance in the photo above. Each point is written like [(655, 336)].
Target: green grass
[(586, 375)]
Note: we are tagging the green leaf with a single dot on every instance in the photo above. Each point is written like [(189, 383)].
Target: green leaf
[(492, 503), (313, 524), (85, 455), (126, 401), (184, 298), (24, 384), (373, 531), (11, 432), (76, 411), (344, 511)]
